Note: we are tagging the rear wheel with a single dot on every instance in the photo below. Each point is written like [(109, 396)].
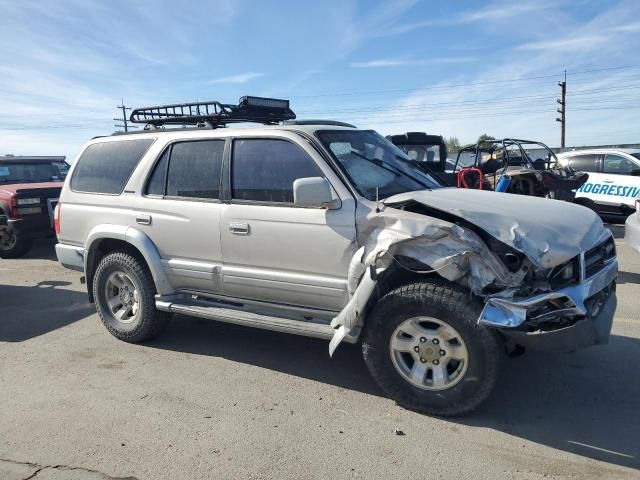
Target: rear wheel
[(125, 298), (12, 244), (424, 348)]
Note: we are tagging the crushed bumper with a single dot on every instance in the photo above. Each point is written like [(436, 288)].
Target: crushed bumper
[(591, 330), (592, 302)]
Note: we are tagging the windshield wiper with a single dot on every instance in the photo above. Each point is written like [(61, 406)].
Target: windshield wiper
[(388, 167)]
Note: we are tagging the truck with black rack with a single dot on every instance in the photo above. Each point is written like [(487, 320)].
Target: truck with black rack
[(321, 229), (29, 191)]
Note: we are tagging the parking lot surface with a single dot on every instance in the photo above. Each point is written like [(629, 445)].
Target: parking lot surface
[(208, 400)]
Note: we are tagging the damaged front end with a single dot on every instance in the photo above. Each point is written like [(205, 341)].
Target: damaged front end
[(538, 293), (569, 317)]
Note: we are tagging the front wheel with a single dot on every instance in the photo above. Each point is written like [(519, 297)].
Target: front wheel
[(424, 348)]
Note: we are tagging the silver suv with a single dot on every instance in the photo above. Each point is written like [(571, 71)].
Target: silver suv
[(321, 229)]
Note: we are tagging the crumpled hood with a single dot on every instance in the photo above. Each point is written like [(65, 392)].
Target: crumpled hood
[(549, 232)]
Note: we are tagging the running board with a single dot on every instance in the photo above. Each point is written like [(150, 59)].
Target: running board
[(249, 319)]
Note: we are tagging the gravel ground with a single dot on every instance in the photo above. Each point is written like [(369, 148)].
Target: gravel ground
[(207, 400)]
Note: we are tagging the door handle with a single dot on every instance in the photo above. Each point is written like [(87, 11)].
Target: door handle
[(608, 181), (143, 219), (239, 228)]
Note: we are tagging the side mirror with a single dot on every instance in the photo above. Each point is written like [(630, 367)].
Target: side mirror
[(313, 192)]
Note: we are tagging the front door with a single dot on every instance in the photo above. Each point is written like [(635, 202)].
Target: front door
[(180, 212), (621, 185), (272, 250)]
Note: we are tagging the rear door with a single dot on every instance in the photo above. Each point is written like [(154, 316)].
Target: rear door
[(272, 250), (180, 211)]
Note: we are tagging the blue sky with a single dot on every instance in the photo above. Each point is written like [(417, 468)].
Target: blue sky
[(455, 68)]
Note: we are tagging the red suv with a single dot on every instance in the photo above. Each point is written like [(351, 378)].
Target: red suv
[(29, 191)]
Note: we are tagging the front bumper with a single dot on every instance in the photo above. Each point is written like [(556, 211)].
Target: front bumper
[(592, 301), (632, 231)]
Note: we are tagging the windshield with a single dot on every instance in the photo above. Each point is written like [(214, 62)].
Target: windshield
[(372, 162), (422, 153), (32, 172)]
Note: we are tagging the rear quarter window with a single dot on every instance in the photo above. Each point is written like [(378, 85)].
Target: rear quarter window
[(106, 167)]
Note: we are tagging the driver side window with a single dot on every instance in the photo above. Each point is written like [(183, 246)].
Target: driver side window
[(617, 164)]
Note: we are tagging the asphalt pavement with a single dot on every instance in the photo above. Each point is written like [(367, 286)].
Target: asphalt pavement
[(207, 400)]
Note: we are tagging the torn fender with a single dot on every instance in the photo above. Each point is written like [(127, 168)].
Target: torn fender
[(455, 253)]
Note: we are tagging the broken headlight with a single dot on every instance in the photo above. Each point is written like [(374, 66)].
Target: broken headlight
[(564, 274)]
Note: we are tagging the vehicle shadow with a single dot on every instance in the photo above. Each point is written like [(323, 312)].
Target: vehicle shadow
[(28, 312), (43, 249), (295, 355), (586, 403)]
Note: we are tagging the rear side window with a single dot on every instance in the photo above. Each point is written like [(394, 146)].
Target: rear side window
[(188, 169), (585, 163), (264, 170), (106, 167), (158, 181)]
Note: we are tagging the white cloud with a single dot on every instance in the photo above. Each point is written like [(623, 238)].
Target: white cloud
[(501, 11), (568, 43), (398, 62), (390, 62), (480, 106), (493, 12), (627, 28), (238, 78)]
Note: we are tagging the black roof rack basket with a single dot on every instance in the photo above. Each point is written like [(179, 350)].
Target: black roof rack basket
[(215, 114)]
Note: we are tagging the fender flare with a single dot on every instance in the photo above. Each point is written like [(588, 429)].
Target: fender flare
[(137, 239)]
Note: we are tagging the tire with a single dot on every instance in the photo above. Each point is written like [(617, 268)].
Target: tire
[(449, 309), (12, 244), (587, 202), (116, 275)]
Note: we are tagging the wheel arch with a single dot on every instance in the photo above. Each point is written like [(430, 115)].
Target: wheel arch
[(105, 239)]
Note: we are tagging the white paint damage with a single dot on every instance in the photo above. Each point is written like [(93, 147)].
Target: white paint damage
[(526, 224)]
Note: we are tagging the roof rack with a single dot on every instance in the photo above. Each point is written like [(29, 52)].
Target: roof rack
[(215, 114), (333, 123)]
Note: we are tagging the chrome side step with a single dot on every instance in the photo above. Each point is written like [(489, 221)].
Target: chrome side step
[(238, 316)]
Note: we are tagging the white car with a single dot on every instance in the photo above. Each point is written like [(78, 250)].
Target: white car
[(614, 178), (632, 229)]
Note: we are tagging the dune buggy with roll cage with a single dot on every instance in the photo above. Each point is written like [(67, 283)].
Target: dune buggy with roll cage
[(524, 167)]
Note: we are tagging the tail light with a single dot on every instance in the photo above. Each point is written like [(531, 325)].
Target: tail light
[(56, 218), (13, 208)]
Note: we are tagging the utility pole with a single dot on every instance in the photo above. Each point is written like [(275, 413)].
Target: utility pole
[(124, 120), (563, 110)]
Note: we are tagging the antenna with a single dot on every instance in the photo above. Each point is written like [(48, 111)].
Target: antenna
[(377, 201)]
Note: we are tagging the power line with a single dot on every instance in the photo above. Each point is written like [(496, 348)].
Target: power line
[(455, 85)]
